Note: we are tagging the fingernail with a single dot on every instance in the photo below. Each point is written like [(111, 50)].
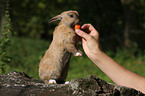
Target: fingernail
[(77, 30)]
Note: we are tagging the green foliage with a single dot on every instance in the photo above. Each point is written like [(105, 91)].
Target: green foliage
[(4, 43), (30, 18), (33, 20), (26, 54)]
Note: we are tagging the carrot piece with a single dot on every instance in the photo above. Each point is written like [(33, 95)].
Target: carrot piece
[(77, 26)]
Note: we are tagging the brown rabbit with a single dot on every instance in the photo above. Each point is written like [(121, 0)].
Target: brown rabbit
[(55, 63)]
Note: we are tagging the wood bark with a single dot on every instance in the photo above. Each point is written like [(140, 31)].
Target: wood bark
[(20, 84)]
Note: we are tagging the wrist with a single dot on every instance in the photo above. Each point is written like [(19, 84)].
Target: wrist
[(96, 55)]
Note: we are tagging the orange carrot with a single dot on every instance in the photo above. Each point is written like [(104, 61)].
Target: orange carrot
[(77, 26)]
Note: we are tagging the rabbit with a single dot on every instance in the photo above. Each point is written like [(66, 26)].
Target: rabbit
[(53, 67)]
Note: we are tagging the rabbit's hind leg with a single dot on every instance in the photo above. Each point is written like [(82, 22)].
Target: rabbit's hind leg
[(51, 81)]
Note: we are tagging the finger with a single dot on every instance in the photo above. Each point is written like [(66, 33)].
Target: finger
[(88, 27), (82, 34), (91, 30)]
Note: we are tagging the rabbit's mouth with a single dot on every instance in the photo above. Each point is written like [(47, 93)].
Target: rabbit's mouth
[(76, 22)]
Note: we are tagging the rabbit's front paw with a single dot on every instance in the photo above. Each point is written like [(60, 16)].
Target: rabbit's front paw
[(78, 54)]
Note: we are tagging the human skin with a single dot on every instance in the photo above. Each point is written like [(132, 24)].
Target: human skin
[(117, 73)]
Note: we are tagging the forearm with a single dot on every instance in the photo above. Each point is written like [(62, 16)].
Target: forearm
[(117, 73)]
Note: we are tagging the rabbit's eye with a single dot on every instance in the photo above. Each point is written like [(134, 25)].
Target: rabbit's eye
[(71, 16)]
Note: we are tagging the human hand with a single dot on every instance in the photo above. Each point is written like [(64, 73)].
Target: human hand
[(90, 40)]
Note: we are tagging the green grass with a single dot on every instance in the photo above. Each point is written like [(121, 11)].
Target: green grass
[(26, 54)]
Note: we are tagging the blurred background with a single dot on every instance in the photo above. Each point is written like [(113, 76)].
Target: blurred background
[(25, 33)]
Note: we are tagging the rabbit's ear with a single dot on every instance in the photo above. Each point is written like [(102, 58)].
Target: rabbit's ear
[(56, 18)]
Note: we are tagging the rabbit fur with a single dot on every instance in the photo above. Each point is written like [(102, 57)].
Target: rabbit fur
[(55, 63)]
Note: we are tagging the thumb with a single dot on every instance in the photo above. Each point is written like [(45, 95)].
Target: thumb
[(82, 34)]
